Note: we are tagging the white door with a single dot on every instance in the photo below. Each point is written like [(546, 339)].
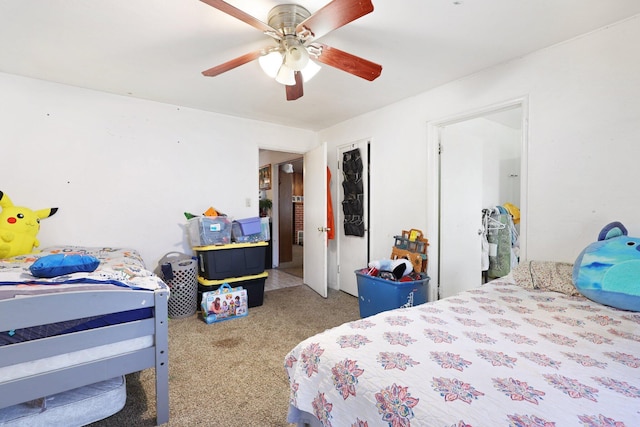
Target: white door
[(479, 167), (460, 210), (315, 219), (352, 250)]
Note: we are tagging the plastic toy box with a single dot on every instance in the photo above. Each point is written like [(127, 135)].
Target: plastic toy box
[(248, 230), (376, 295), (232, 260), (209, 230)]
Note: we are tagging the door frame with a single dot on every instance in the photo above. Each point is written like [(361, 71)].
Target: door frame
[(344, 276), (434, 130)]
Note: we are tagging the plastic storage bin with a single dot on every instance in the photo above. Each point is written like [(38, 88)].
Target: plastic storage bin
[(253, 284), (248, 225), (265, 228), (209, 230), (233, 260), (376, 295), (248, 230)]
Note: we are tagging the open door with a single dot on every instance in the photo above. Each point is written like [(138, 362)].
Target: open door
[(481, 165), (461, 191), (315, 219)]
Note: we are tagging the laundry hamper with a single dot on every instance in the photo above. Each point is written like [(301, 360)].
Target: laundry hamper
[(180, 272)]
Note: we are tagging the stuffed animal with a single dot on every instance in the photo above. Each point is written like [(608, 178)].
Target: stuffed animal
[(399, 267), (19, 227), (608, 271)]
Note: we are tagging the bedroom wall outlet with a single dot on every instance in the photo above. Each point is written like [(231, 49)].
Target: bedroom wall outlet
[(248, 202)]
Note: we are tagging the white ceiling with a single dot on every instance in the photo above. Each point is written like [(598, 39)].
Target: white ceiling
[(156, 49)]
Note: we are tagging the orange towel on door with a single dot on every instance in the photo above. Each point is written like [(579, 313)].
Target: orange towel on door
[(331, 234)]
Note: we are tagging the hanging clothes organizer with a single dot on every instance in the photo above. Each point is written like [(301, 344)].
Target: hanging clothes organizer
[(352, 205)]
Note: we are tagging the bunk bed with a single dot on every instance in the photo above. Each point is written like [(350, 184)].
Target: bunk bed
[(76, 330)]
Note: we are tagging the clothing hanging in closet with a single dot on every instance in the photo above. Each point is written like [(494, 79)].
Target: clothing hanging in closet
[(499, 242)]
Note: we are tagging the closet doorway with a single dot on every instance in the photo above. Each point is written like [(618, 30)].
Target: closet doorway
[(480, 164)]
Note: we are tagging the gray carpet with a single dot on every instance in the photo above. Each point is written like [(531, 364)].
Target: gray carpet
[(232, 373)]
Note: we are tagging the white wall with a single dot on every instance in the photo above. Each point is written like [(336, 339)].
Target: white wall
[(499, 156), (583, 146), (123, 170)]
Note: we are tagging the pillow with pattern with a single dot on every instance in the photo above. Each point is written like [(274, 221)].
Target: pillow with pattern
[(546, 276)]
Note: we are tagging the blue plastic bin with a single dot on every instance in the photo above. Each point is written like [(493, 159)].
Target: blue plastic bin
[(376, 295)]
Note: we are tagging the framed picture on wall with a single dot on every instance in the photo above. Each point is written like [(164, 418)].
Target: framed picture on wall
[(264, 177)]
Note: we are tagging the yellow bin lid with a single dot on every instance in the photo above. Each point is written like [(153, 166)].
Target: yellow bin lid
[(230, 280), (229, 246)]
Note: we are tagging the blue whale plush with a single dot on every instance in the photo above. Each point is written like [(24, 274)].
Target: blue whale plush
[(608, 271)]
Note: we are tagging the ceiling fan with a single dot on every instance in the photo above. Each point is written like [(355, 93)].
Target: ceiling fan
[(296, 30)]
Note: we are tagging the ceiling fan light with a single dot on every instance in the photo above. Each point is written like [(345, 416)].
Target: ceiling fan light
[(296, 57), (310, 70), (271, 63), (286, 76)]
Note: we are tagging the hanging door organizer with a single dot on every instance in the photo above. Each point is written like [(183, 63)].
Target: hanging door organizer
[(352, 205)]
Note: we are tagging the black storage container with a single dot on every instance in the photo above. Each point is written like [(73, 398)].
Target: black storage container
[(253, 284), (229, 261)]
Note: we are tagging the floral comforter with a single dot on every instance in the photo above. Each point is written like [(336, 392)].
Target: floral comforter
[(498, 355)]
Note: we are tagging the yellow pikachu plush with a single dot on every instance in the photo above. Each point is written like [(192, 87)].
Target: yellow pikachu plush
[(19, 227)]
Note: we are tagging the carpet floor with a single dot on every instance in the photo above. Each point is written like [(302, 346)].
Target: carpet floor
[(296, 265), (232, 373)]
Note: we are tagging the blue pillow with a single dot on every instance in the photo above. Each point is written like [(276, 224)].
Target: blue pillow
[(61, 264)]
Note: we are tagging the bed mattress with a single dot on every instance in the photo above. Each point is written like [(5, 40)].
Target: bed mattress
[(77, 407), (118, 268)]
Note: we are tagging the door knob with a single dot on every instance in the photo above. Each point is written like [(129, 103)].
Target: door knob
[(324, 229)]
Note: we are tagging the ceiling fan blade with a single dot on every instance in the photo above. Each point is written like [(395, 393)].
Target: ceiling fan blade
[(230, 65), (295, 91), (243, 16), (347, 62), (333, 15)]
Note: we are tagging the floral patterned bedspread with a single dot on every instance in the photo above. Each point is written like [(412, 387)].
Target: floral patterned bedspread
[(118, 266), (498, 355)]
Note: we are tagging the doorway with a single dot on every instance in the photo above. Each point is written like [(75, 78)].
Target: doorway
[(478, 161), (291, 217)]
